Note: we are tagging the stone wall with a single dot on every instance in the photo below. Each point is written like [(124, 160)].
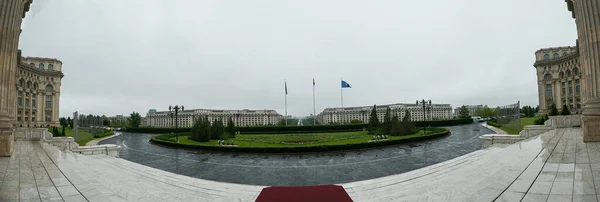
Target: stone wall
[(32, 134), (569, 121), (527, 132), (66, 143)]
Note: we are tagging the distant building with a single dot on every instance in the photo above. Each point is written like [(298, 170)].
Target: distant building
[(472, 109), (38, 91), (362, 113), (558, 78), (186, 118)]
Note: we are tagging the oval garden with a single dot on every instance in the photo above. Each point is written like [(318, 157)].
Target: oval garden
[(215, 136)]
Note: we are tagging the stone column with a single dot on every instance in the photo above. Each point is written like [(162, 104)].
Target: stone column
[(587, 18), (11, 16)]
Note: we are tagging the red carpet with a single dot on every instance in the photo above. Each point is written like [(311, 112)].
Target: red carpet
[(325, 193)]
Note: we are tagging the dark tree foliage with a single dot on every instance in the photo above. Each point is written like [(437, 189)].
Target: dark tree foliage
[(373, 120)]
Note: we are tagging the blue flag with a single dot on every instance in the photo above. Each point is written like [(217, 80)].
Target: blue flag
[(345, 84)]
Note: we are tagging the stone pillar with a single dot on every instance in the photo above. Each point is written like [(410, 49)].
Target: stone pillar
[(11, 16), (587, 15)]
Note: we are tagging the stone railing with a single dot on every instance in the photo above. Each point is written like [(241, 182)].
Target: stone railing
[(527, 132), (569, 121), (65, 143), (105, 149), (32, 134)]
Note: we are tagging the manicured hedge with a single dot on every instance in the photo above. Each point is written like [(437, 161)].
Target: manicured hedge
[(497, 125), (302, 129), (106, 134), (320, 148)]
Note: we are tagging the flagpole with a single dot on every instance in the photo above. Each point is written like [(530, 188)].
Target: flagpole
[(342, 99), (286, 122), (314, 106)]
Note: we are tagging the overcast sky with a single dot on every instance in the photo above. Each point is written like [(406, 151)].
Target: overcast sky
[(121, 56)]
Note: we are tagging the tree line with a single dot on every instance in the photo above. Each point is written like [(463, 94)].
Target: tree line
[(203, 130), (392, 125)]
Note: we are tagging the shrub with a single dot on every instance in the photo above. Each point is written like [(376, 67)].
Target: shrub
[(540, 121)]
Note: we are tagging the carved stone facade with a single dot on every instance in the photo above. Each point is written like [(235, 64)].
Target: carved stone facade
[(587, 14), (558, 78), (11, 17), (38, 92)]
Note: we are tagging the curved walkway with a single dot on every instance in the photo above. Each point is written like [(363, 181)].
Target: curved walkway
[(96, 141), (301, 169)]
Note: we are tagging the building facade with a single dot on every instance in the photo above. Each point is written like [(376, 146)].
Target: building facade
[(38, 92), (472, 109), (559, 78), (13, 12), (362, 113), (186, 118)]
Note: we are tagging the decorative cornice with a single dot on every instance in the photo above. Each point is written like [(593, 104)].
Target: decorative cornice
[(556, 48), (41, 58), (559, 60), (42, 72)]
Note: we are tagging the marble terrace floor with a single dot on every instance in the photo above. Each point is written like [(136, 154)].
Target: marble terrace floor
[(555, 166)]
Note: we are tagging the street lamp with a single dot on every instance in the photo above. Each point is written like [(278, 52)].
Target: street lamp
[(176, 109), (426, 105)]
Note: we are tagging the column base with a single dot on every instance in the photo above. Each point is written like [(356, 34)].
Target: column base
[(7, 139), (590, 121)]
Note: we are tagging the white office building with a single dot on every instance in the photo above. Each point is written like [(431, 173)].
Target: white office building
[(362, 113), (186, 118)]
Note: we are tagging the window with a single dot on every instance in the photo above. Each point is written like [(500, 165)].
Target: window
[(570, 90), (555, 56), (563, 91), (28, 84), (49, 88), (48, 104), (20, 83), (41, 66), (571, 106), (31, 64), (20, 101), (48, 117), (26, 101), (548, 77), (546, 57), (20, 93), (548, 89), (548, 104), (568, 73), (18, 118), (578, 106), (576, 71), (33, 103), (577, 81), (577, 89), (50, 67), (570, 83)]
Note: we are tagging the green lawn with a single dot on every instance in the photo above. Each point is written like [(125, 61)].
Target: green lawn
[(296, 140), (83, 138), (510, 128)]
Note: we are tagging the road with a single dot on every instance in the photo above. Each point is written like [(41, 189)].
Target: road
[(300, 169)]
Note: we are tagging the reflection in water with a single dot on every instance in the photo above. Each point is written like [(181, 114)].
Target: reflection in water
[(301, 169)]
